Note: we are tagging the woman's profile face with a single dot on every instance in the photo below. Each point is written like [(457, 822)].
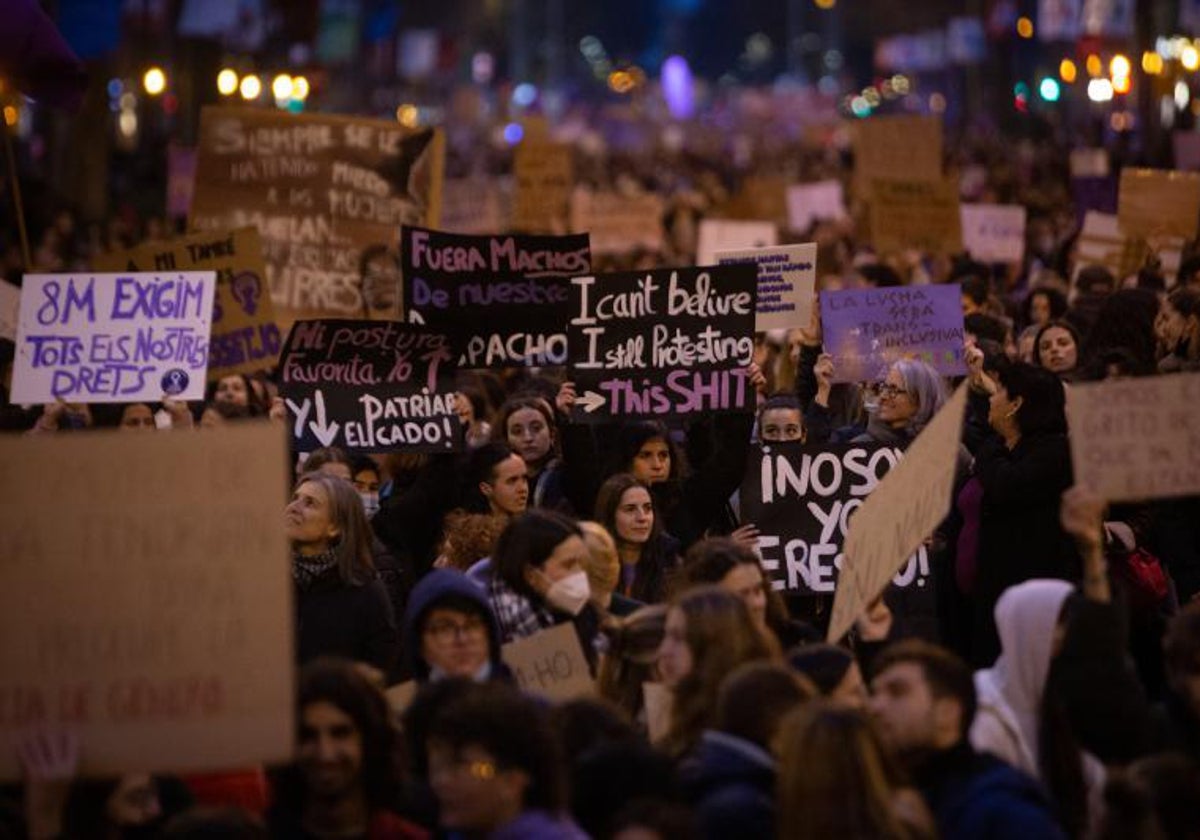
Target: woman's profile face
[(308, 518), (674, 655)]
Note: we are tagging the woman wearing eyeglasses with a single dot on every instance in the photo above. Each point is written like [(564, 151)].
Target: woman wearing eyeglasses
[(908, 398), (449, 631)]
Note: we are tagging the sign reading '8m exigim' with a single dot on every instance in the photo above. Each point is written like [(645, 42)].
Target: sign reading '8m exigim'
[(108, 338)]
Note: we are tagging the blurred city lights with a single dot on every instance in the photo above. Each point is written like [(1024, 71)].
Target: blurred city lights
[(1094, 65), (251, 87), (154, 81), (281, 86), (408, 115), (115, 87), (1152, 63), (524, 94), (1121, 84), (1119, 66), (227, 82), (299, 88), (1100, 90), (1025, 27), (1189, 57), (824, 4), (1067, 71), (1182, 94), (1049, 89), (513, 133), (10, 115)]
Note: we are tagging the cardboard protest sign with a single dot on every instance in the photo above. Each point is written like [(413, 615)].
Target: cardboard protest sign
[(809, 203), (897, 146), (369, 386), (867, 329), (801, 497), (504, 300), (326, 193), (904, 509), (994, 232), (550, 664), (10, 308), (716, 235), (1155, 202), (181, 180), (111, 338), (245, 337), (1187, 150), (665, 342), (1136, 439), (1102, 242), (143, 603), (657, 700), (910, 213), (544, 175), (761, 198), (1089, 163), (787, 278), (471, 205), (618, 224)]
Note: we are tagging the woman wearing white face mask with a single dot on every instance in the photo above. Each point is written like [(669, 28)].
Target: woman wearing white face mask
[(539, 578)]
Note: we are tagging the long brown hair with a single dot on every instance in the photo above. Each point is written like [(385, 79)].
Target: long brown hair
[(353, 543), (632, 648), (721, 635), (835, 779)]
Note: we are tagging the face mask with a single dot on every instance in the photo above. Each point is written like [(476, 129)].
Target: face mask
[(370, 503), (571, 593)]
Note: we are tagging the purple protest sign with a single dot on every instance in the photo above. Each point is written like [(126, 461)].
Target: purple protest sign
[(868, 329)]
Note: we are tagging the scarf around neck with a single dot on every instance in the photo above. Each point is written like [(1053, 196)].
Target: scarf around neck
[(307, 569)]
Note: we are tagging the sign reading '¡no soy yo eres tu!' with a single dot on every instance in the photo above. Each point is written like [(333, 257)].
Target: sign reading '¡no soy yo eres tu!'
[(113, 337), (671, 341)]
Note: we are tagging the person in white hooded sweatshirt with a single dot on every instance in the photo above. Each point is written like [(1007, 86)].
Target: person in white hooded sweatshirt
[(1018, 720)]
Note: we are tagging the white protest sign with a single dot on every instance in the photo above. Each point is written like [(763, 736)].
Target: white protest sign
[(1136, 439), (550, 663), (906, 506), (1089, 163), (730, 235), (808, 203), (10, 307), (994, 232), (110, 338), (787, 278), (618, 224), (146, 598)]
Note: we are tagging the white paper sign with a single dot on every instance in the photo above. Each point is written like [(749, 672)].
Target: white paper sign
[(727, 235), (110, 338), (994, 232), (787, 278), (808, 203), (1089, 163), (10, 305)]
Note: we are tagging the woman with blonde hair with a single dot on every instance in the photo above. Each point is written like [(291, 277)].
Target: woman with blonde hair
[(836, 780), (709, 632)]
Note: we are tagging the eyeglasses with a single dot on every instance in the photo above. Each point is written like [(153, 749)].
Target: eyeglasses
[(890, 391), (446, 631)]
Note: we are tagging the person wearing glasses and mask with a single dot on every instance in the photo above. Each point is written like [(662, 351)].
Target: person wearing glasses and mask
[(449, 631)]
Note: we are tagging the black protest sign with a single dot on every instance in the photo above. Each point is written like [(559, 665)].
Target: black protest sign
[(369, 386), (672, 341), (802, 497), (504, 300)]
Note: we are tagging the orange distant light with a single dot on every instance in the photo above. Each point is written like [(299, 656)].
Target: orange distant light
[(1121, 84), (1025, 27), (1067, 71)]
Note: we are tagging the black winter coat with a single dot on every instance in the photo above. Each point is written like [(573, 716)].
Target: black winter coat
[(1020, 536), (338, 619), (731, 786)]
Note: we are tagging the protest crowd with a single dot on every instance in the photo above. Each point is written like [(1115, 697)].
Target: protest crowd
[(777, 486)]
